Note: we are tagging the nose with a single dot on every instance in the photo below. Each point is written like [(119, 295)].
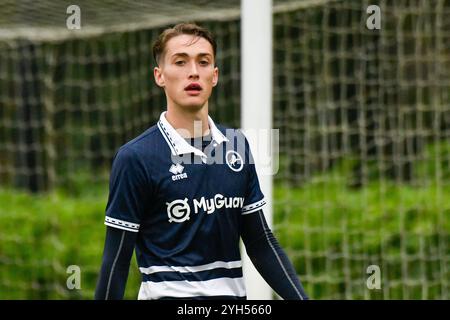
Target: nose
[(193, 71)]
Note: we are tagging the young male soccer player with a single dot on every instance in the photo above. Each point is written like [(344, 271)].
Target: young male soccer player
[(184, 200)]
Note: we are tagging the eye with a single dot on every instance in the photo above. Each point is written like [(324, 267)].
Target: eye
[(179, 62), (204, 62)]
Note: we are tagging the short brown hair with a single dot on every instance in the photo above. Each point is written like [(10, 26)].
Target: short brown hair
[(182, 28)]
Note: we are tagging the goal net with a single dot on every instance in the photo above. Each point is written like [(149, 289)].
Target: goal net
[(360, 199)]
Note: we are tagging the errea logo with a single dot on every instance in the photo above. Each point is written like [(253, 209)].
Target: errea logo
[(177, 171)]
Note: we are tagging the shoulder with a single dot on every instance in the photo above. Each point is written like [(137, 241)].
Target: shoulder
[(149, 136), (131, 158), (136, 149), (141, 145)]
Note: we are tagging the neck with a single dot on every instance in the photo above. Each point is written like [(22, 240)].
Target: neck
[(188, 123)]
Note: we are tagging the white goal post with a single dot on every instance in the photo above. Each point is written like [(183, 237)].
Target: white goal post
[(256, 108)]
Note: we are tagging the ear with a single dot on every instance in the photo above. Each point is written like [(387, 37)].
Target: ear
[(215, 76), (159, 77)]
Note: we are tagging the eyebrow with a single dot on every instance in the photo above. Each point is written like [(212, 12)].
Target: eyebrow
[(184, 54)]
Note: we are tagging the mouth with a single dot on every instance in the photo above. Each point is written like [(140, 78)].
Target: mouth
[(193, 87)]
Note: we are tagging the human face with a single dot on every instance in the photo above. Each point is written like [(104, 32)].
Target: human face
[(187, 72)]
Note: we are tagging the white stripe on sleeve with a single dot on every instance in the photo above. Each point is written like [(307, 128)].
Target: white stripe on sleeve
[(121, 224)]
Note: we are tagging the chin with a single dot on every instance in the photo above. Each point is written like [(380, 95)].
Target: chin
[(192, 105)]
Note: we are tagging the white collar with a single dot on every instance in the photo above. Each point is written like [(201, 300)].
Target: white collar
[(177, 143)]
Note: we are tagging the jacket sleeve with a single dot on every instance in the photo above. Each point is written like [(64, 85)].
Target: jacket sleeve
[(269, 258), (117, 253)]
